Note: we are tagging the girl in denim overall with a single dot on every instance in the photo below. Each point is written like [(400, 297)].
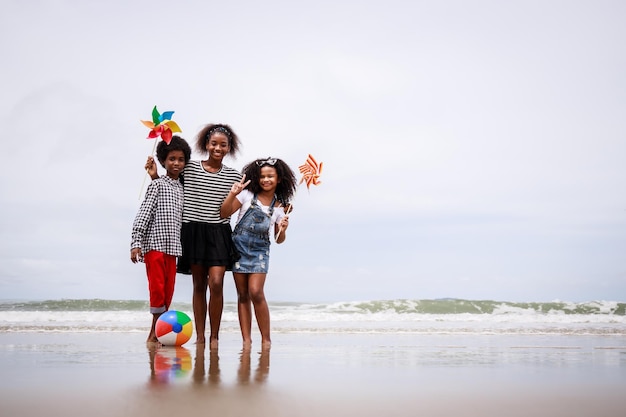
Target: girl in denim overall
[(260, 201)]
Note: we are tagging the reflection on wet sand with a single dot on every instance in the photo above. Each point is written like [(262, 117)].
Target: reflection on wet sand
[(170, 364), (314, 375), (262, 369), (213, 377)]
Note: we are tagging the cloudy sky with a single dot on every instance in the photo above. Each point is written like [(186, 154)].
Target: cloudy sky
[(471, 149)]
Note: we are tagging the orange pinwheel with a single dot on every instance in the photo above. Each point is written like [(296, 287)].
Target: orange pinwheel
[(161, 125), (311, 171)]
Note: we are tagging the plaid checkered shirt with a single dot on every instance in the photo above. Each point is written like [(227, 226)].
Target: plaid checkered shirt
[(158, 222)]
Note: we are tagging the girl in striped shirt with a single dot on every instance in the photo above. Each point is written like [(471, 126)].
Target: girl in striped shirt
[(208, 249)]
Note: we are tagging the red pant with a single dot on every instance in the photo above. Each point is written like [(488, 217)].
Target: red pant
[(161, 271)]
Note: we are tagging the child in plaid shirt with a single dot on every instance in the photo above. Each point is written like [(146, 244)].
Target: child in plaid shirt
[(156, 229)]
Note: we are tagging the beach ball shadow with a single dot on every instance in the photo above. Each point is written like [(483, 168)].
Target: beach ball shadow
[(172, 363)]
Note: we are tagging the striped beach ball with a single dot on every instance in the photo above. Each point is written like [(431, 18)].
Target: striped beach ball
[(173, 328)]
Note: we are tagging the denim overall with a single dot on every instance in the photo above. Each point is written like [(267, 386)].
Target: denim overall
[(252, 240)]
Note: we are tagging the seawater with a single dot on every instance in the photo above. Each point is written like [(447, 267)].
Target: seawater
[(441, 316)]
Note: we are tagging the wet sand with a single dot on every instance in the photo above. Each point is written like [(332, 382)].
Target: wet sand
[(115, 374)]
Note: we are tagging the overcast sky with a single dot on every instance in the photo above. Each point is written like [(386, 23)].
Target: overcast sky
[(471, 149)]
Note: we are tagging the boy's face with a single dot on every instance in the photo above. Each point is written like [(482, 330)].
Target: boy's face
[(174, 163)]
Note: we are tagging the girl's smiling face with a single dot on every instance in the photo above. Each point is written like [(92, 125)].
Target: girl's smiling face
[(268, 178), (218, 146)]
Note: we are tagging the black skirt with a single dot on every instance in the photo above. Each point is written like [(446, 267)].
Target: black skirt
[(206, 244)]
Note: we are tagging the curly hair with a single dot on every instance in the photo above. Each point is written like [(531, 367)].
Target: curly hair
[(176, 144), (286, 187), (203, 136)]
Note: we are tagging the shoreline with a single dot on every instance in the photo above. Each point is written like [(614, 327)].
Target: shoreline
[(314, 374)]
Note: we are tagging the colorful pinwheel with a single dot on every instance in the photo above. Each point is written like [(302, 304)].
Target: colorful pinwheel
[(161, 125), (311, 172)]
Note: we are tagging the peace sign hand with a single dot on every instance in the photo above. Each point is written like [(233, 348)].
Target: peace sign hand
[(239, 186)]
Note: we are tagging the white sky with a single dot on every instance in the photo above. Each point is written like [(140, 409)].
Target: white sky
[(471, 149)]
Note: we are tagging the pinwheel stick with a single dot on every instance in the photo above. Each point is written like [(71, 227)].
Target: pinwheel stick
[(289, 210), (143, 184)]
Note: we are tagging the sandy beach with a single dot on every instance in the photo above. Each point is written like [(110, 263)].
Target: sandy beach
[(331, 374)]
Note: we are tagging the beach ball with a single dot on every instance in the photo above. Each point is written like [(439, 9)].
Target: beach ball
[(173, 328)]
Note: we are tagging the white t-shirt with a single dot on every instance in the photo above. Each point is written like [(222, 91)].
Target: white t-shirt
[(245, 198)]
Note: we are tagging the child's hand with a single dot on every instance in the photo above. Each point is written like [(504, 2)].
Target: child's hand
[(284, 223), (151, 168), (135, 255), (239, 186)]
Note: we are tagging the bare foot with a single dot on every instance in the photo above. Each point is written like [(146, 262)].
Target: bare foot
[(266, 344), (153, 343), (214, 344)]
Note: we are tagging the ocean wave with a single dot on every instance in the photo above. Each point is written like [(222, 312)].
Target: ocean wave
[(397, 307), (459, 306), (354, 328), (447, 316), (74, 305)]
